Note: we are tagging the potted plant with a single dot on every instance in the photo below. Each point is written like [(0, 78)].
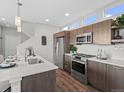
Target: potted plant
[(73, 49), (119, 22)]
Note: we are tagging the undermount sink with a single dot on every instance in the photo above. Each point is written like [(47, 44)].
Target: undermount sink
[(34, 60)]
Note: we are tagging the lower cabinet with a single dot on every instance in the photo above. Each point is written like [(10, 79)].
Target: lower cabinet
[(115, 78), (105, 77), (67, 63), (96, 75), (42, 82)]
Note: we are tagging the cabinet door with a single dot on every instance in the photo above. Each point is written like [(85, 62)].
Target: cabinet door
[(96, 75), (67, 63), (73, 37), (88, 29), (102, 32), (80, 31), (115, 78), (42, 82)]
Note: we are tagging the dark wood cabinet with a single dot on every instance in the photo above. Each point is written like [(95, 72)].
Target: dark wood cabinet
[(66, 36), (88, 29), (102, 33), (115, 78), (73, 37), (42, 82), (105, 77), (79, 31), (67, 63), (97, 75)]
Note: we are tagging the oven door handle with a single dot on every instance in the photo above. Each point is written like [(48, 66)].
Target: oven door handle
[(81, 62)]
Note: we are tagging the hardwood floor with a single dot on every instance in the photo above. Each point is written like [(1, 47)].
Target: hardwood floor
[(66, 83)]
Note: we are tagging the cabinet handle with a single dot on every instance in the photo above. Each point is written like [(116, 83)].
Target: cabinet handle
[(117, 68)]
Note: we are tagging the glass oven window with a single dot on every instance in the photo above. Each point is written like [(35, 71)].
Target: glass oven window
[(78, 67)]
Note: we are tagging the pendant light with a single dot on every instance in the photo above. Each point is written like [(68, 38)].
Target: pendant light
[(18, 17)]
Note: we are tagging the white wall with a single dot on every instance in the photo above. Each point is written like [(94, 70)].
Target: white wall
[(1, 50), (28, 28), (11, 39), (45, 30), (35, 41)]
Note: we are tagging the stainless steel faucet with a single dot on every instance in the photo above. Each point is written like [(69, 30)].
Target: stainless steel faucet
[(26, 54), (31, 52)]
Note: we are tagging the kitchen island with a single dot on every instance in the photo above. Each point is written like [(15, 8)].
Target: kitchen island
[(30, 77)]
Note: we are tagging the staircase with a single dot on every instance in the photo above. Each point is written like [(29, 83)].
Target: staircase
[(27, 37)]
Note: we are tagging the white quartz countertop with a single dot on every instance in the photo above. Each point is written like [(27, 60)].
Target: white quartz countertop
[(114, 62), (23, 69)]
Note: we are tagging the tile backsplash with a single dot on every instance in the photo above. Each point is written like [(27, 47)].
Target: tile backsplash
[(113, 51)]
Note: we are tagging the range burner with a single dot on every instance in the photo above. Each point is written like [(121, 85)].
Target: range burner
[(84, 55)]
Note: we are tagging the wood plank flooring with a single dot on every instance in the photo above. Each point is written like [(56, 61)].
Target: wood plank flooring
[(66, 83)]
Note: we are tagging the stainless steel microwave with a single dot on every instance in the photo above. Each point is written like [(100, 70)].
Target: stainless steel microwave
[(86, 38)]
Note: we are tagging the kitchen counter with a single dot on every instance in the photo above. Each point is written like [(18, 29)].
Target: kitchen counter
[(114, 62), (14, 75), (68, 54)]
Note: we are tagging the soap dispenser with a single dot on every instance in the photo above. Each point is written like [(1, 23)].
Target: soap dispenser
[(98, 54), (104, 55)]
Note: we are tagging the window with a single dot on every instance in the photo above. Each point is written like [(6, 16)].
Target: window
[(114, 11), (65, 28), (75, 25), (90, 20)]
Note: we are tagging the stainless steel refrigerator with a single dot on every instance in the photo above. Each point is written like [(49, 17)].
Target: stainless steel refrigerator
[(59, 52)]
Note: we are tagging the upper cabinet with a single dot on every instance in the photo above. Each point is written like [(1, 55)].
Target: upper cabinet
[(79, 31), (88, 29), (73, 36), (66, 36), (102, 33)]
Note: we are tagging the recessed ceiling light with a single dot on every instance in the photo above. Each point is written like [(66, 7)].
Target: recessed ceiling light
[(67, 14), (47, 20), (3, 19)]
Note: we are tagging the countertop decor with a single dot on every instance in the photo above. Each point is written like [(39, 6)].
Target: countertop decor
[(73, 49)]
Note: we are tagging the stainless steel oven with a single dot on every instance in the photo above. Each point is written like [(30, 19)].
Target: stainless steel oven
[(79, 70), (79, 67)]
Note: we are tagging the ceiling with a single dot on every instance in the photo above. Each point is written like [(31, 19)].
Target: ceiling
[(38, 10)]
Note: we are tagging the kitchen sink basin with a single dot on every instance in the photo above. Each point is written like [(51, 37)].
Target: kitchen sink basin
[(34, 60)]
